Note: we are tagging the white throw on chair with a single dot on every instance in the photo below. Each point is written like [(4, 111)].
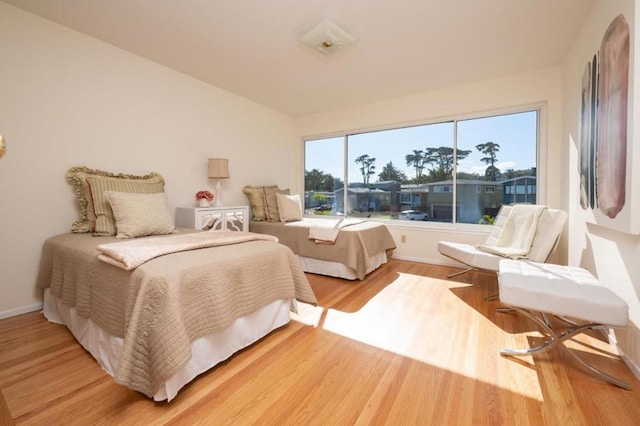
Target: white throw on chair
[(545, 239)]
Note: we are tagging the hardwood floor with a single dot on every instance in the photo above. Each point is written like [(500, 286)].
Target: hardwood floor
[(404, 346)]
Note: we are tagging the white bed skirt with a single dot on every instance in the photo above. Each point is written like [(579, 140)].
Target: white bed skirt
[(206, 351), (336, 269)]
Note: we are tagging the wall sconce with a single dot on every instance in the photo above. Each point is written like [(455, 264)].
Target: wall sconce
[(3, 146), (218, 169)]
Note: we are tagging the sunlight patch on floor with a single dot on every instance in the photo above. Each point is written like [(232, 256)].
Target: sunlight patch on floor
[(412, 318), (307, 314)]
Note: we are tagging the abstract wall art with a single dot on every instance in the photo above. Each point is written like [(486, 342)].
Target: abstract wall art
[(604, 131)]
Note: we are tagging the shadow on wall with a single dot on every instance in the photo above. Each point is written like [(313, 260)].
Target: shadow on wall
[(626, 338), (628, 249), (623, 270), (587, 259)]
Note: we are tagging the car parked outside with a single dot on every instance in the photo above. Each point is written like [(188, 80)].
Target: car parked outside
[(413, 215)]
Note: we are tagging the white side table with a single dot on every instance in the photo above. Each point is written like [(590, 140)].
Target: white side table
[(232, 218)]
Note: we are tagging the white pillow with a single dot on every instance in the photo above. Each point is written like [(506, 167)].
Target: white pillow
[(138, 215), (289, 207)]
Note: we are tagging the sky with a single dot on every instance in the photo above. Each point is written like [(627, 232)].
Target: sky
[(515, 133)]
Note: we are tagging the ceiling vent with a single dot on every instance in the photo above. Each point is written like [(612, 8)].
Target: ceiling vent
[(327, 37)]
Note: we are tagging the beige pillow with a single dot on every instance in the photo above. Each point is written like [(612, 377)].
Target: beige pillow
[(138, 215), (77, 176), (271, 203), (105, 223), (289, 207), (256, 196)]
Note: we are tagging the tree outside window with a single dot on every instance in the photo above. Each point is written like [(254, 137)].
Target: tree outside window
[(424, 166)]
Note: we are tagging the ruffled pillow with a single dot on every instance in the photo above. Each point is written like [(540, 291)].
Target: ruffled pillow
[(256, 196), (77, 176)]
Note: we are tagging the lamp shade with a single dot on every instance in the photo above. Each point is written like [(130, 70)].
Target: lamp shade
[(218, 168)]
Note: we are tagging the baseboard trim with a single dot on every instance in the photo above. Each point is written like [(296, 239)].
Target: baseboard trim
[(630, 364), (21, 310), (437, 262), (610, 336)]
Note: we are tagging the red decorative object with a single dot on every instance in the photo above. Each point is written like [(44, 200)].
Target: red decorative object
[(206, 195)]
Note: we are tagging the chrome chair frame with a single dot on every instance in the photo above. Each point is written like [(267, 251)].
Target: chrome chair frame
[(557, 340)]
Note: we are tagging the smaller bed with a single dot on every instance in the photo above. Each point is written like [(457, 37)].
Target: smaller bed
[(359, 248)]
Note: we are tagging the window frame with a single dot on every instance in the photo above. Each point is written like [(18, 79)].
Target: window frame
[(541, 155)]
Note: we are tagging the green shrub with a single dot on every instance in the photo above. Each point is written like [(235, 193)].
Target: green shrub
[(486, 220)]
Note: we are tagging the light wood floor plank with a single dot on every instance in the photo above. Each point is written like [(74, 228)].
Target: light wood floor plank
[(404, 346), (6, 419)]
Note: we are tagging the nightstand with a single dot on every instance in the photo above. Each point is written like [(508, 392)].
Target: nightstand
[(233, 218)]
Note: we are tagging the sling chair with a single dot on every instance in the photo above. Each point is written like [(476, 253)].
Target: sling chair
[(545, 240)]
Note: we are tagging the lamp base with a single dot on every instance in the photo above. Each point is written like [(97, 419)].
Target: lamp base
[(217, 201)]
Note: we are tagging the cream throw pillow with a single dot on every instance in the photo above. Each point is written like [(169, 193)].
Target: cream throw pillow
[(289, 207), (138, 215)]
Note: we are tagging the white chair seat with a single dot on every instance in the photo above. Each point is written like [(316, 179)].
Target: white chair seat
[(560, 290), (469, 255), (566, 292)]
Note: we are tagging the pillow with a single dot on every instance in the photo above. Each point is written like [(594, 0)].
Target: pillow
[(256, 196), (105, 223), (78, 178), (271, 203), (138, 215), (289, 207)]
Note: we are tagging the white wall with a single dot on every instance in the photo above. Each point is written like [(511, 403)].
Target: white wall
[(611, 255), (67, 100), (541, 87)]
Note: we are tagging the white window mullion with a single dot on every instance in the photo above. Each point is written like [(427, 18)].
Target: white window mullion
[(345, 178), (454, 205)]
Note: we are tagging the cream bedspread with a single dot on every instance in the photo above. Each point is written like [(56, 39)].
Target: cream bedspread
[(353, 246), (132, 253), (164, 304)]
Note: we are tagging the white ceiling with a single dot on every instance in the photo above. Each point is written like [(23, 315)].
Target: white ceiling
[(250, 47)]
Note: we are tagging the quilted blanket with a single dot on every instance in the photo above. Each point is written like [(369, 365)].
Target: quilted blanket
[(161, 306)]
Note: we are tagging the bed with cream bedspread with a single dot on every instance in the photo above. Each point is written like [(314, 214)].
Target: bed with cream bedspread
[(162, 306), (360, 245)]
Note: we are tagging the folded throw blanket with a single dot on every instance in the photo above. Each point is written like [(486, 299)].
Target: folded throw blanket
[(325, 231), (514, 241), (129, 255)]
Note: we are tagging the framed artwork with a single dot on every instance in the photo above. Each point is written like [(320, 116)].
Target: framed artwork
[(604, 160)]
